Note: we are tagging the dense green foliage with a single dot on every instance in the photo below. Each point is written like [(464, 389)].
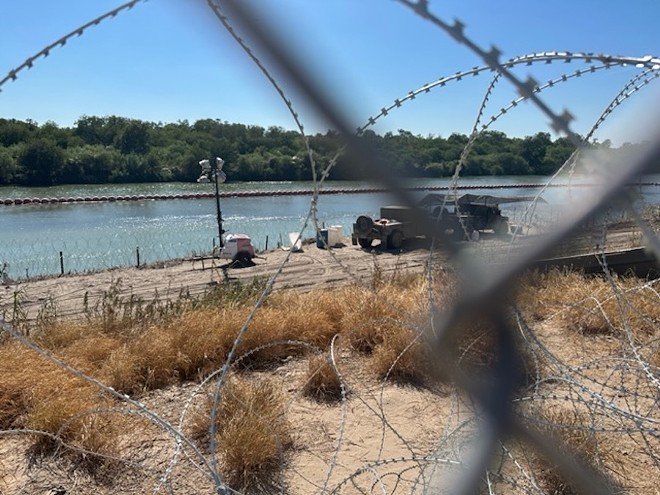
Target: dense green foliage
[(116, 149)]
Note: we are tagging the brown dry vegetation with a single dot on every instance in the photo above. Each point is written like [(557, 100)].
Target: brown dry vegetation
[(572, 428), (379, 337), (591, 305), (322, 382), (252, 433), (56, 408)]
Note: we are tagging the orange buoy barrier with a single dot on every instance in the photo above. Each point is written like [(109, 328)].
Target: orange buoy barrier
[(286, 192)]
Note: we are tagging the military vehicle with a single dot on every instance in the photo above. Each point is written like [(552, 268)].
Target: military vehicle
[(456, 219)]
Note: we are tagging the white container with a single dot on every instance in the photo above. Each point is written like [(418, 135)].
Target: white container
[(334, 235)]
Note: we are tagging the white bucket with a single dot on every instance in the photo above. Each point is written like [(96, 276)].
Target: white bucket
[(334, 235)]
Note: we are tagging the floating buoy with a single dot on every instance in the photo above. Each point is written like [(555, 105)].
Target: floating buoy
[(290, 192)]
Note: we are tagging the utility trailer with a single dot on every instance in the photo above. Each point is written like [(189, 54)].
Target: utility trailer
[(469, 213), (396, 224)]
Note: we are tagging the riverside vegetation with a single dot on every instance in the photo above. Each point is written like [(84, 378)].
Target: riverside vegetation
[(98, 150), (365, 334)]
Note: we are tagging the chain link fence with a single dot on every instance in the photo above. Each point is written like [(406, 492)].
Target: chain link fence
[(537, 417)]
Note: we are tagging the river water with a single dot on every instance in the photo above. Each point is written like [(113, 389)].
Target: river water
[(94, 236)]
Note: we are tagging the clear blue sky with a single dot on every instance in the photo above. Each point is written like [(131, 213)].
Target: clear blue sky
[(170, 60)]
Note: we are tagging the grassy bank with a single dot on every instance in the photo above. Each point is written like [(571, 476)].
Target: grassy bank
[(588, 344)]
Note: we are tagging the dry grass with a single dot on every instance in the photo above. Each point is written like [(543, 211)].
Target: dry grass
[(590, 304), (322, 382), (90, 439), (13, 404), (403, 357), (573, 429), (251, 431), (115, 312), (370, 315), (134, 349), (37, 395), (475, 345), (310, 318), (654, 360), (253, 434), (115, 346)]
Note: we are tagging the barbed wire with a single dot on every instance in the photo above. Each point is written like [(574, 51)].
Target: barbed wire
[(617, 394), (581, 476), (61, 42)]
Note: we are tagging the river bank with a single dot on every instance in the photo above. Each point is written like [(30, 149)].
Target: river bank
[(312, 268), (53, 238), (376, 425)]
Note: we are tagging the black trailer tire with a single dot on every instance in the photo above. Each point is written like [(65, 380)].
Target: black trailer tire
[(363, 224), (364, 243), (395, 240)]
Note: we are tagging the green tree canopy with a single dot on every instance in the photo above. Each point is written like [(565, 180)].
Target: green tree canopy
[(117, 149), (41, 161)]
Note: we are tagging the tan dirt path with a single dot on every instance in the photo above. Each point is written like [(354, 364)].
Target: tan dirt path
[(311, 268)]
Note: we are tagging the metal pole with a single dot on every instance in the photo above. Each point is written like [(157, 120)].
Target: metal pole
[(214, 166)]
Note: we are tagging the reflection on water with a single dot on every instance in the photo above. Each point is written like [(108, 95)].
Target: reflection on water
[(94, 236)]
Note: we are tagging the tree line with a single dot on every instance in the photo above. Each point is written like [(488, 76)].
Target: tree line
[(115, 149)]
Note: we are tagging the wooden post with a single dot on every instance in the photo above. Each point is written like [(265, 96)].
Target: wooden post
[(137, 254), (61, 264)]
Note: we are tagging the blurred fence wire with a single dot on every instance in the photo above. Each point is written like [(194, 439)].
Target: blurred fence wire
[(495, 428)]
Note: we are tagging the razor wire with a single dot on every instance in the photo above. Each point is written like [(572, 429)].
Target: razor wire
[(484, 412), (61, 42), (558, 123)]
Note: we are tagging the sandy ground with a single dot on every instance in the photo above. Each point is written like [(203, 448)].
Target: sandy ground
[(310, 268), (384, 438)]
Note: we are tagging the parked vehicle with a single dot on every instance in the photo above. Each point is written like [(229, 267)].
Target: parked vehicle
[(238, 248), (396, 224), (456, 219)]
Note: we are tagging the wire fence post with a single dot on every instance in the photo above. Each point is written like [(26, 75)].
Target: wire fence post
[(217, 176)]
